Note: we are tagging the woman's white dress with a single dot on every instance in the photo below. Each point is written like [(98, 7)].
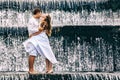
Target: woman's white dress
[(39, 45)]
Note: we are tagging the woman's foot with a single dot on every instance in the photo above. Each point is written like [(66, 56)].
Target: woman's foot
[(33, 72), (46, 71), (50, 71)]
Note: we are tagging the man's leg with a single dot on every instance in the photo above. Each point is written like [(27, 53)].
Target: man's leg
[(31, 63), (47, 65)]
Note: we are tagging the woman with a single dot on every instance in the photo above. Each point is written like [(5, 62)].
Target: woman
[(38, 43)]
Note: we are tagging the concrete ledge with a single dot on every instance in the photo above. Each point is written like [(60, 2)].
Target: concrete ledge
[(60, 76)]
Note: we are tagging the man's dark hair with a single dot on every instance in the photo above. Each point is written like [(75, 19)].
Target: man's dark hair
[(36, 10)]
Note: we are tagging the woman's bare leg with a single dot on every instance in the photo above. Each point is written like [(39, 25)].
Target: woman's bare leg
[(50, 69)]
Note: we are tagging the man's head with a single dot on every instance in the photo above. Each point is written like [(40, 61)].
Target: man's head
[(37, 13)]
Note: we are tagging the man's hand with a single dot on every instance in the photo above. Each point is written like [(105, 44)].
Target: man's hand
[(41, 28), (34, 34)]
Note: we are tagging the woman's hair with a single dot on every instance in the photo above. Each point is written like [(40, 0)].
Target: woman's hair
[(47, 25)]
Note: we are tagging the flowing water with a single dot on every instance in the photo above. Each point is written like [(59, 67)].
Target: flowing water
[(63, 12), (86, 34)]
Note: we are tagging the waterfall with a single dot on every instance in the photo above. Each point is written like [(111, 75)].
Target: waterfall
[(77, 48), (63, 12), (85, 38)]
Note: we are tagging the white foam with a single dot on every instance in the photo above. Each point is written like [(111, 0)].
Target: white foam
[(60, 18)]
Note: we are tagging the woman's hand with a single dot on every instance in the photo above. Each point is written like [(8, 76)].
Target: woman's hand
[(44, 15)]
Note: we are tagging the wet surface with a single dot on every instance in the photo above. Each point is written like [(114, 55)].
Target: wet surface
[(60, 76)]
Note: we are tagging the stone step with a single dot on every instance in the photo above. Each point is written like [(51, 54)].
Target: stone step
[(60, 76)]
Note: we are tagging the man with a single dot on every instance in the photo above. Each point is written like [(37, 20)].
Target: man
[(33, 25)]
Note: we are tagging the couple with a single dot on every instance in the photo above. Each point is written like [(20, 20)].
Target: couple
[(39, 28)]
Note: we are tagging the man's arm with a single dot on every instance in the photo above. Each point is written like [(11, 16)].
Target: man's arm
[(38, 32)]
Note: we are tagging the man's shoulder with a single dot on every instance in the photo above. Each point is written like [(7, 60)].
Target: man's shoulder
[(31, 19)]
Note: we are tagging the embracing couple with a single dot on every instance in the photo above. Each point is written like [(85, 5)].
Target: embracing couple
[(39, 28)]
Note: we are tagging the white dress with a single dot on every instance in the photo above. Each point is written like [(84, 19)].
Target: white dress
[(39, 45)]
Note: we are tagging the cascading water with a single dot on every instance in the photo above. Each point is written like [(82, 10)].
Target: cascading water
[(63, 12), (86, 36)]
